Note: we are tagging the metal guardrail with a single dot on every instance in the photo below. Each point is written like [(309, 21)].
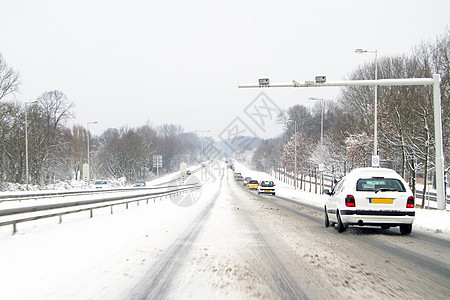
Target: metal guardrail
[(329, 177), (432, 196), (35, 196), (19, 215), (50, 194)]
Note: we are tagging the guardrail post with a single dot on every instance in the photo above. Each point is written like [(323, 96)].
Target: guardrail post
[(91, 213), (60, 219), (14, 228), (112, 209), (126, 205)]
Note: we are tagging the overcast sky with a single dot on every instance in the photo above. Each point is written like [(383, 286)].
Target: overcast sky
[(123, 63)]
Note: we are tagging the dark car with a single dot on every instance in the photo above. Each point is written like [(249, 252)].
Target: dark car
[(139, 183)]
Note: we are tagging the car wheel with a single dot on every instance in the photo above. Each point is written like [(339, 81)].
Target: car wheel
[(340, 226), (327, 220), (273, 194), (385, 226), (405, 229)]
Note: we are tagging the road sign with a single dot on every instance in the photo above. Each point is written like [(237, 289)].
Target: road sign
[(85, 172), (183, 167), (157, 163), (321, 167), (375, 161)]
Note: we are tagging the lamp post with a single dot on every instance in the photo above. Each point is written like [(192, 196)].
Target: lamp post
[(295, 151), (202, 131), (295, 154), (321, 139), (88, 137), (375, 122), (26, 141)]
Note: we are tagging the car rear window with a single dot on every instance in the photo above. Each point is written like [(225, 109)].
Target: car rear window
[(267, 184), (253, 182), (377, 184)]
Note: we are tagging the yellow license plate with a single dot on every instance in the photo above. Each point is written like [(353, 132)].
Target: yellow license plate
[(381, 200)]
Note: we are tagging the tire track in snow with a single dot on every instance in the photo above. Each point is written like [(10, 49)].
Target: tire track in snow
[(283, 283), (435, 270), (157, 282)]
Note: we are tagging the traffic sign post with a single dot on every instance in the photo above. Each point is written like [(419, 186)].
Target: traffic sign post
[(375, 161), (86, 172), (183, 167), (157, 163)]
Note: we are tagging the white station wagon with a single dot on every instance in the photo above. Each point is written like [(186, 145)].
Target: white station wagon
[(370, 197)]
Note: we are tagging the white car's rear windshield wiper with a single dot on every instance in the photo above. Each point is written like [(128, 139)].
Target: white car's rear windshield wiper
[(386, 190)]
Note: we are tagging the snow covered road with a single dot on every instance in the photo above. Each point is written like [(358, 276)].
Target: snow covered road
[(231, 244)]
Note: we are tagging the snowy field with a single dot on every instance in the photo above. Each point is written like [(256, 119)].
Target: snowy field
[(47, 260)]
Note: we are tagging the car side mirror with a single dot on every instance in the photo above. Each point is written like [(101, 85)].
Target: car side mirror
[(327, 191)]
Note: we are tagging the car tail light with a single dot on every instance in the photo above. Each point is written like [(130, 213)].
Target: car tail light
[(273, 184), (350, 201), (410, 202)]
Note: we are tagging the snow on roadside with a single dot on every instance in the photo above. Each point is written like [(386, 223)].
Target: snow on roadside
[(98, 258), (427, 220)]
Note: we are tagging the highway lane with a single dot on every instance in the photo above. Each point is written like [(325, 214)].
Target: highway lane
[(246, 246), (420, 261)]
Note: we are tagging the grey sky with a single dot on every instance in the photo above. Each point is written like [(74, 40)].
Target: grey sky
[(126, 62)]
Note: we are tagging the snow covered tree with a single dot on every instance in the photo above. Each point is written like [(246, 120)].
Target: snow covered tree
[(358, 149), (304, 145)]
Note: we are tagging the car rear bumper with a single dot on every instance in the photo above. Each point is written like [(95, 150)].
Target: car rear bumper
[(266, 191), (371, 217)]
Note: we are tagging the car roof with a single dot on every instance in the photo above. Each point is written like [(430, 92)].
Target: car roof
[(373, 172)]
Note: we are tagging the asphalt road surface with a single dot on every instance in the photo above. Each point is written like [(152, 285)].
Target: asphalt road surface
[(244, 246)]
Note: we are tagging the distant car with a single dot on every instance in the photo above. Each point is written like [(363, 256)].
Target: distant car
[(239, 178), (266, 187), (252, 184), (246, 180), (237, 174), (371, 197), (204, 164), (139, 183), (188, 172), (101, 184)]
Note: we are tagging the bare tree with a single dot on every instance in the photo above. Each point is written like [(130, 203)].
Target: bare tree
[(49, 146), (9, 79)]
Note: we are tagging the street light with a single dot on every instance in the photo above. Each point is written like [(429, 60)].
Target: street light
[(295, 152), (375, 123), (321, 135), (88, 135), (202, 131), (26, 140)]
